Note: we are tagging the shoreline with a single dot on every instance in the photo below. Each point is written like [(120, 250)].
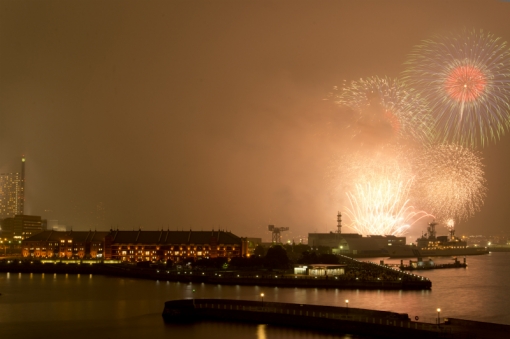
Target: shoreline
[(218, 277)]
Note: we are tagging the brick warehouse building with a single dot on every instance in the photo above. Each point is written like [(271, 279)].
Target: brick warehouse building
[(134, 246)]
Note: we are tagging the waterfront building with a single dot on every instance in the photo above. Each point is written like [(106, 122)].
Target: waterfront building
[(371, 246), (320, 270), (65, 245), (355, 244), (12, 193), (135, 246), (175, 245), (331, 239)]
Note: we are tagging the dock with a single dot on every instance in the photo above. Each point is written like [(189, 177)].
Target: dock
[(345, 320), (383, 278)]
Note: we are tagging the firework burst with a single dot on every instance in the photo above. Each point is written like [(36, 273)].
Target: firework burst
[(383, 104), (465, 78), (348, 170), (382, 208), (450, 182), (377, 187)]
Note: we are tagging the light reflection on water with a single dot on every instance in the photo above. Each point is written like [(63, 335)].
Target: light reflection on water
[(129, 308), (261, 331)]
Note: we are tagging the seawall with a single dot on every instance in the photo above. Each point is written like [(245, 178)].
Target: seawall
[(380, 324)]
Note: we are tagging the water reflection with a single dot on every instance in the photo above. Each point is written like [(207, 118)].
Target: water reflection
[(261, 331), (125, 307)]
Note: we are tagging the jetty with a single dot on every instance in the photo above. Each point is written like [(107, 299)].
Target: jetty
[(345, 320)]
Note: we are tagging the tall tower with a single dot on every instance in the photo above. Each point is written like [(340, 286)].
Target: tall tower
[(339, 223), (21, 190), (12, 193)]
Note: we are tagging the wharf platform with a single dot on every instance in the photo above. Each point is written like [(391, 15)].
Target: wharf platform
[(408, 282), (341, 320)]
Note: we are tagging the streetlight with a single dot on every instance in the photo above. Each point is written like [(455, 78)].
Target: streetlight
[(346, 303), (262, 297), (438, 315)]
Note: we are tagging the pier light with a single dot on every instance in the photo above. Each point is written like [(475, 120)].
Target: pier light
[(438, 315), (346, 303), (262, 297)]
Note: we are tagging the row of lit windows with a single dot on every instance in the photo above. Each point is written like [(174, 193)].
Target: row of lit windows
[(178, 248)]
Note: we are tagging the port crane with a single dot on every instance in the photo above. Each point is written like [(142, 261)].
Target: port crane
[(276, 233)]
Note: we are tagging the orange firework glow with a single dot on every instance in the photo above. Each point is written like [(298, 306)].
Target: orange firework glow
[(465, 83)]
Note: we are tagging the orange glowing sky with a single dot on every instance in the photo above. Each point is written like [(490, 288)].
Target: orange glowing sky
[(206, 114)]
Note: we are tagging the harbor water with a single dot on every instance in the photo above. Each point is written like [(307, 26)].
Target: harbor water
[(84, 306)]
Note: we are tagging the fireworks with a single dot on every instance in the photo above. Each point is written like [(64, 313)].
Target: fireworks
[(377, 187), (450, 224), (450, 182), (465, 78), (387, 105), (382, 208), (455, 96)]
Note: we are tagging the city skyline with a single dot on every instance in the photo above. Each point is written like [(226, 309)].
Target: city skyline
[(208, 116)]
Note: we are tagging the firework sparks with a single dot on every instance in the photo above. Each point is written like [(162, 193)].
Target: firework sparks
[(385, 104), (450, 224), (382, 208), (348, 170), (465, 78), (450, 182), (377, 187)]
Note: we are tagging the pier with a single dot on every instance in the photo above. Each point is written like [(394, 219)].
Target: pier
[(345, 320)]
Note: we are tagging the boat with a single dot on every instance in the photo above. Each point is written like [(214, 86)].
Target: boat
[(431, 245)]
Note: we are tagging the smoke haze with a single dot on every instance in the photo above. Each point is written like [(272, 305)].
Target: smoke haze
[(206, 114)]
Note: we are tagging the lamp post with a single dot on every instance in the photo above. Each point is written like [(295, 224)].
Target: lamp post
[(346, 303), (262, 298), (438, 315)]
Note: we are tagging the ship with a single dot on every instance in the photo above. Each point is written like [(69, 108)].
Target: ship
[(431, 245)]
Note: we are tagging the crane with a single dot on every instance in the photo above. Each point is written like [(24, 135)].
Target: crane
[(276, 233)]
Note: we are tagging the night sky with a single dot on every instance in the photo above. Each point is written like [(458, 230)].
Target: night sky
[(207, 114)]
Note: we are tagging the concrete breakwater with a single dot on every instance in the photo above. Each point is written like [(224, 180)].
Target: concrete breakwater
[(409, 282), (345, 320)]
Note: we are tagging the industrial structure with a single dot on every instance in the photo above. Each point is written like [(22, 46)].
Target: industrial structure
[(276, 233), (354, 244)]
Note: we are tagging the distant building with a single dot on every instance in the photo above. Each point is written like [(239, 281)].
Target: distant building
[(135, 246), (55, 226), (354, 244), (21, 227), (371, 246), (12, 193), (332, 240)]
